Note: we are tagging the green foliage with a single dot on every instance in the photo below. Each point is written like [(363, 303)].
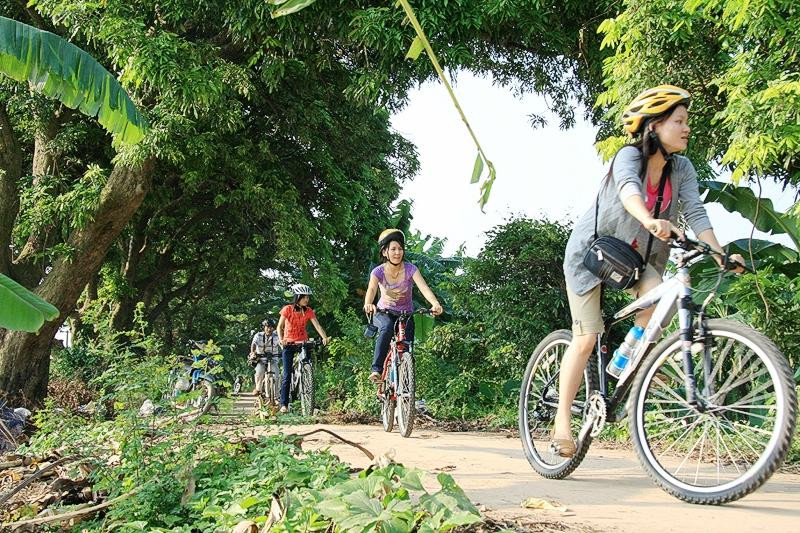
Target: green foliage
[(21, 309), (782, 323), (758, 211), (738, 59), (61, 70)]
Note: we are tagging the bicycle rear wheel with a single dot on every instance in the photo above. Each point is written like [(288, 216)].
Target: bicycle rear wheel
[(730, 447), (406, 394), (538, 402), (307, 389)]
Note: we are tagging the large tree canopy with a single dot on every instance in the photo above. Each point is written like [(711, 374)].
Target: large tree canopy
[(740, 62), (269, 159)]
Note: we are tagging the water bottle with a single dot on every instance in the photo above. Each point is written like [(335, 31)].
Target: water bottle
[(623, 354)]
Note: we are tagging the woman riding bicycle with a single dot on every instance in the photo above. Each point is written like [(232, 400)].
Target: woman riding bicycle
[(641, 172), (291, 331), (396, 279)]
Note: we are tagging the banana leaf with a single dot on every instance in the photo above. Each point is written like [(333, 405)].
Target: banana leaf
[(64, 72), (22, 310), (742, 200)]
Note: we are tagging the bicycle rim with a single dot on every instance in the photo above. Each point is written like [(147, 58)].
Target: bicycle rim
[(538, 405), (742, 437), (307, 389), (406, 394), (387, 409)]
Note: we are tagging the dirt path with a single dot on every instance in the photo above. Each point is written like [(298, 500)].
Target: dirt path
[(609, 492)]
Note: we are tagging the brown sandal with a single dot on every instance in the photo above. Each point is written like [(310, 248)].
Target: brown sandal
[(563, 447)]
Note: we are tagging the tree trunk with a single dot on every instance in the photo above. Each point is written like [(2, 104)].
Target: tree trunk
[(24, 357), (10, 173)]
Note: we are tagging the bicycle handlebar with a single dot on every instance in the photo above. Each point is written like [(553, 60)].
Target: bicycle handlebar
[(704, 248), (309, 342), (406, 314)]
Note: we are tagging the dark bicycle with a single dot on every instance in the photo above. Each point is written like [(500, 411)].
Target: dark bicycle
[(398, 386), (712, 406), (302, 383)]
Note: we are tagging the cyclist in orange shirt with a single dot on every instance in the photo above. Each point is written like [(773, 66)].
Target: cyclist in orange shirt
[(292, 330)]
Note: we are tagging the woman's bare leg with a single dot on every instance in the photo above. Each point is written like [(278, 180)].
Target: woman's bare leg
[(570, 376)]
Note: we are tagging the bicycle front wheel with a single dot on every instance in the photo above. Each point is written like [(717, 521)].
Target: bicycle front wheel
[(388, 403), (740, 434), (406, 394), (205, 400), (538, 403), (307, 389)]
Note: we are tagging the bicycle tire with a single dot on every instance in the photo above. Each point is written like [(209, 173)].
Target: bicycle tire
[(307, 389), (406, 394), (551, 466), (785, 405), (207, 398), (387, 410), (270, 389)]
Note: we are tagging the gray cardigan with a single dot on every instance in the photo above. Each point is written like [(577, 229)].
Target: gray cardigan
[(615, 221)]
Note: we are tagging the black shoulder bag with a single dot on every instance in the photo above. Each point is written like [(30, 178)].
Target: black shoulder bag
[(615, 261)]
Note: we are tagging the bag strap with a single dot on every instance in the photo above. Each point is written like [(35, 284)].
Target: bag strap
[(657, 208), (597, 198)]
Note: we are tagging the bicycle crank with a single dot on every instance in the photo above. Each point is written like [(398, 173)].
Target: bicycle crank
[(594, 419)]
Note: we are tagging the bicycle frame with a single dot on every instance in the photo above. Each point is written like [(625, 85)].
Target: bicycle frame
[(398, 345), (670, 297), (300, 357)]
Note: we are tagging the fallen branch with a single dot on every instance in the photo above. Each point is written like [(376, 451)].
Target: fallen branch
[(39, 473), (368, 453), (72, 514)]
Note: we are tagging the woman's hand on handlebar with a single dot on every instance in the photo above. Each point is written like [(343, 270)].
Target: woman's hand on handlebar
[(663, 229), (436, 309)]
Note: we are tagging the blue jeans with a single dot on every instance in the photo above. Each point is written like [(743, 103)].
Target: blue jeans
[(385, 324), (288, 362)]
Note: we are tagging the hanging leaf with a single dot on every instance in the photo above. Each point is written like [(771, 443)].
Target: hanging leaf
[(62, 71), (291, 6), (22, 310), (486, 187), (477, 170), (742, 200), (417, 46)]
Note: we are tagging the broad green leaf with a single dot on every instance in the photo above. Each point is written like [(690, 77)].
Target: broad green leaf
[(477, 169), (360, 503), (333, 508), (742, 200), (22, 310), (249, 501), (412, 478), (291, 6), (416, 48), (61, 70)]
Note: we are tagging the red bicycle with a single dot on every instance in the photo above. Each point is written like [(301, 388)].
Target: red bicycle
[(398, 386)]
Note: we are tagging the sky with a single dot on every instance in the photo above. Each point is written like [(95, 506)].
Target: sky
[(540, 172)]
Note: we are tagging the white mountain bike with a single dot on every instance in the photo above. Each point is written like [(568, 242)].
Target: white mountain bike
[(712, 406)]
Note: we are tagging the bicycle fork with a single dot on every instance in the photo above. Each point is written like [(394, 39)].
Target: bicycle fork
[(685, 307)]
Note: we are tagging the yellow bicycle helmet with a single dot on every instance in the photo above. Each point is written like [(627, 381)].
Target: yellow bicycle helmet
[(389, 235), (651, 103)]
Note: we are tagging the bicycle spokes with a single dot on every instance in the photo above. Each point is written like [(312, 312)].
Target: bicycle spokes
[(731, 429)]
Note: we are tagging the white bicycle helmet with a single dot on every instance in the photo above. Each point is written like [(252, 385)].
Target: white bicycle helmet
[(298, 289)]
